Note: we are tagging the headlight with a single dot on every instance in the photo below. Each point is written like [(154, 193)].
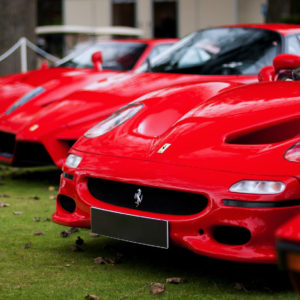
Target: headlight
[(114, 120), (73, 161), (25, 99), (262, 187), (293, 153)]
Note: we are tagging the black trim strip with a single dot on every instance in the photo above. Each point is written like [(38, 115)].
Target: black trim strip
[(68, 176), (261, 204), (284, 246)]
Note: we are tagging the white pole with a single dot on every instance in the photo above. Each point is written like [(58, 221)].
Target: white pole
[(23, 55)]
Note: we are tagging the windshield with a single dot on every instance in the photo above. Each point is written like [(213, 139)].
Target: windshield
[(219, 51), (116, 56)]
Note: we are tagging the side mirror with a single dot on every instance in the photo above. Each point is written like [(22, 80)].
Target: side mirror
[(266, 74), (286, 61), (97, 61), (282, 69), (44, 65)]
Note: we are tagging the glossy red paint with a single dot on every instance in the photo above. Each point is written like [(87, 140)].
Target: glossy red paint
[(51, 127), (61, 81), (240, 134), (290, 231)]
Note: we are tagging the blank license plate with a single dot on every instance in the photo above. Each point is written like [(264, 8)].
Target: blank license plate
[(131, 228)]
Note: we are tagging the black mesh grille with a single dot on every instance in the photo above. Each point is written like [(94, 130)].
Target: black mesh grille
[(7, 144), (31, 154), (153, 199)]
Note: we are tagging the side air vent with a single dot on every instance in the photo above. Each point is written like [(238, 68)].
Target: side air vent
[(268, 135)]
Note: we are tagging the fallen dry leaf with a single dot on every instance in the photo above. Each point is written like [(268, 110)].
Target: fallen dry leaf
[(36, 219), (240, 287), (4, 204), (157, 288), (38, 233), (74, 229), (47, 219), (79, 241), (117, 259), (76, 248), (100, 261), (67, 265), (93, 297), (4, 195), (51, 188), (18, 213), (27, 245), (52, 197), (92, 234), (107, 260), (65, 233), (175, 280)]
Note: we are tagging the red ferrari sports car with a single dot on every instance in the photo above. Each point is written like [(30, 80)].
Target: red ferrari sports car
[(78, 70), (41, 131), (217, 176)]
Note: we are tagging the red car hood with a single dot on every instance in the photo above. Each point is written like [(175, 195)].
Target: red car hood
[(80, 110), (58, 82), (246, 129)]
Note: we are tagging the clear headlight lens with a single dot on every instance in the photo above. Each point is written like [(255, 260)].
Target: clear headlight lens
[(114, 120), (293, 153), (25, 99), (262, 187), (73, 161)]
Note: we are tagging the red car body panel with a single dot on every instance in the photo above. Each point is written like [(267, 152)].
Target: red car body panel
[(61, 81), (290, 231), (69, 123), (242, 133), (55, 125)]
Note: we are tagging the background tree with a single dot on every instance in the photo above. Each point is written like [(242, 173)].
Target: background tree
[(17, 19), (287, 11)]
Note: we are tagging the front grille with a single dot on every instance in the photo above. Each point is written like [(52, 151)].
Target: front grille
[(153, 199), (7, 144), (31, 154)]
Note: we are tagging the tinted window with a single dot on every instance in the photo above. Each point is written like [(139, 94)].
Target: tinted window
[(116, 55), (220, 51), (293, 45)]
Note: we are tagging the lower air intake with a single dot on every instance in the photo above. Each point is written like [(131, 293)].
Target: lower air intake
[(7, 144), (231, 235), (31, 154)]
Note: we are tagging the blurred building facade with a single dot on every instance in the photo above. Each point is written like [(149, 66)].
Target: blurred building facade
[(163, 18)]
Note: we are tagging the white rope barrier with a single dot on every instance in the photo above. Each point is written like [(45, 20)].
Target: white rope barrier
[(23, 43), (41, 52)]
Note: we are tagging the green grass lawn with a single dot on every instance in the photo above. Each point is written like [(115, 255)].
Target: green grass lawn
[(50, 269)]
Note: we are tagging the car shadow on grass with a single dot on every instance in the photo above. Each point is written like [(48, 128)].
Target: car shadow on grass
[(179, 262), (47, 174)]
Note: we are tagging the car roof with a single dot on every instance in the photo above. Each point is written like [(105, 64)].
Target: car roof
[(145, 41), (284, 29)]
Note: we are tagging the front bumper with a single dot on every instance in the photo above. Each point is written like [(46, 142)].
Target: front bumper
[(18, 150), (219, 230)]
